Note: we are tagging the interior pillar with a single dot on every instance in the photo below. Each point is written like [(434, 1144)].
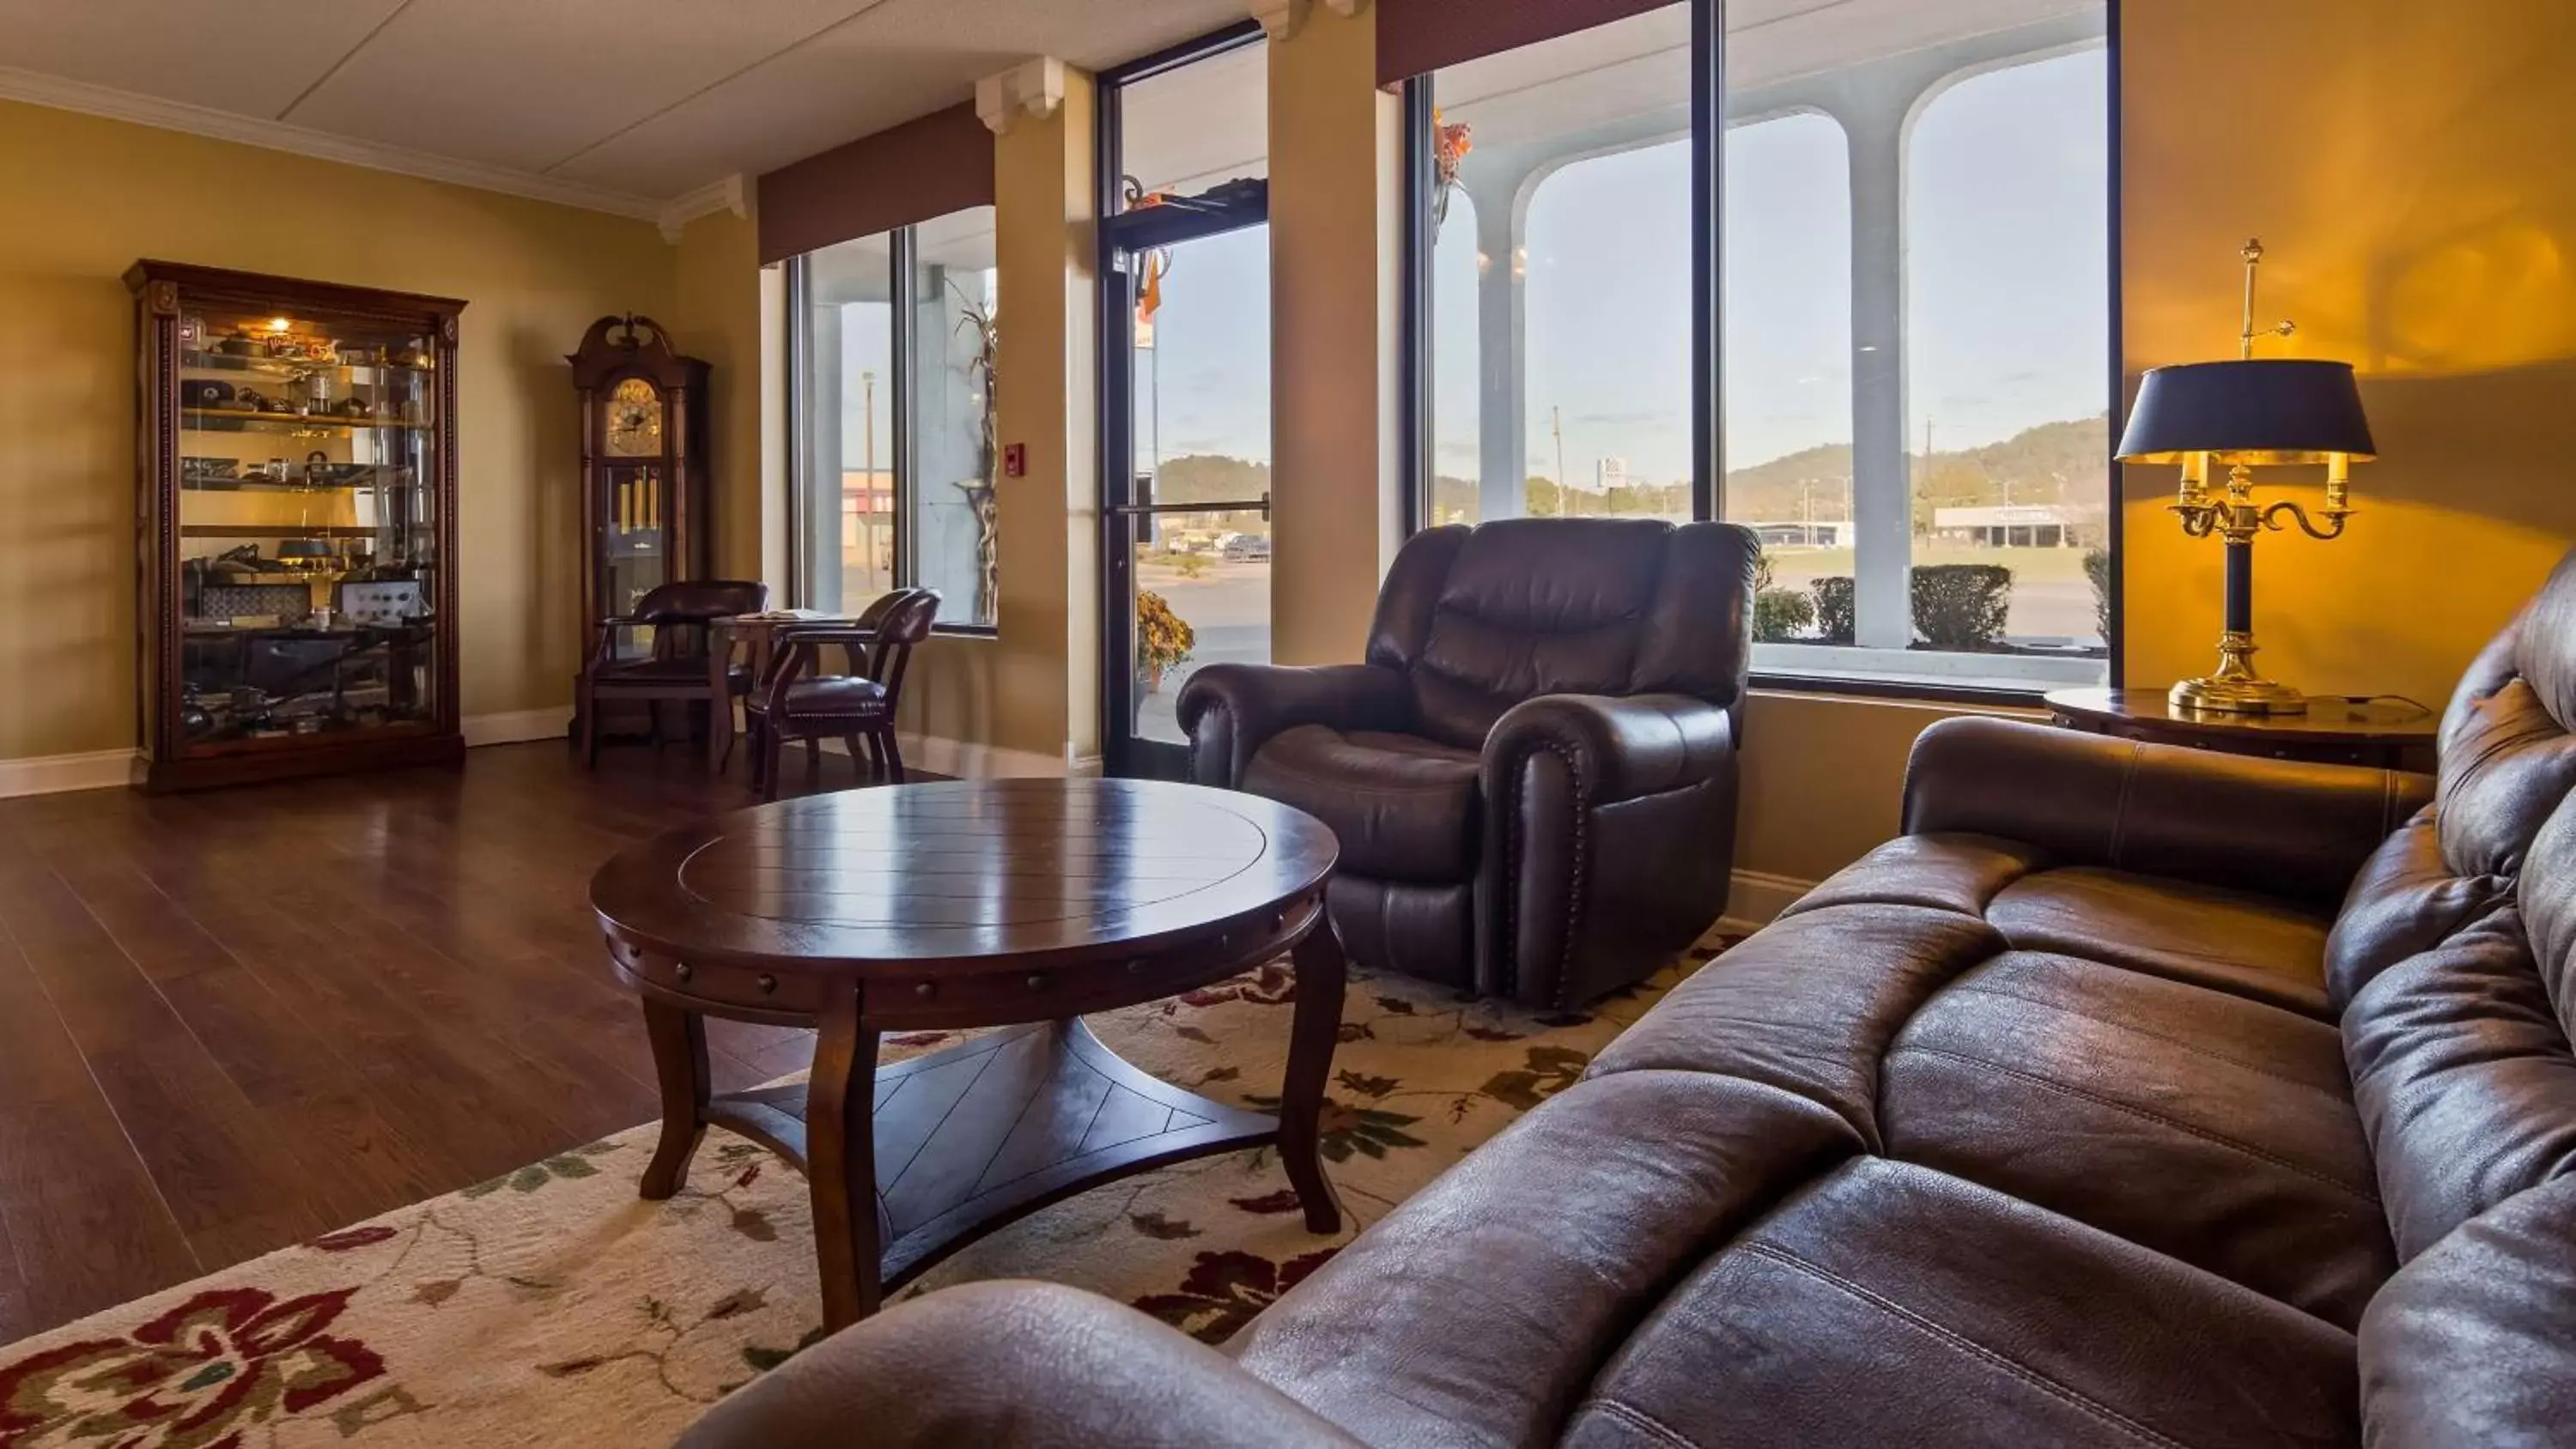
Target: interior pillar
[(1044, 682), (1336, 214)]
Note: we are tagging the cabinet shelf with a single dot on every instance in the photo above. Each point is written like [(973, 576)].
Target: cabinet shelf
[(286, 530), (291, 367), (210, 420)]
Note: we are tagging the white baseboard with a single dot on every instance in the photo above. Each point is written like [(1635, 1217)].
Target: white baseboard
[(967, 760), (519, 728), (1757, 898), (55, 774)]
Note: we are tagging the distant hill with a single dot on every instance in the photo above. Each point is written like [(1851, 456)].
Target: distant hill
[(2065, 463)]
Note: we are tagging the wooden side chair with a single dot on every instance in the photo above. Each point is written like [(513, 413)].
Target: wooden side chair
[(800, 702), (678, 668)]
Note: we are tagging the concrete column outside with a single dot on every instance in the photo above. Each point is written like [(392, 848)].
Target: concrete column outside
[(1882, 485), (1502, 332)]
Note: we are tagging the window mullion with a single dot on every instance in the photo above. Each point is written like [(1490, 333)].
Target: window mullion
[(904, 286)]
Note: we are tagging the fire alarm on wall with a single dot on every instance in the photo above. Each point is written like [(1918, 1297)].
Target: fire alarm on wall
[(1015, 460)]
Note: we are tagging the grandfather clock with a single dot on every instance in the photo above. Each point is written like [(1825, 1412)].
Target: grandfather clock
[(644, 468)]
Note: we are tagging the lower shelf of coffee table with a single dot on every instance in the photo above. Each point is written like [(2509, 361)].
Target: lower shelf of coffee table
[(988, 1131)]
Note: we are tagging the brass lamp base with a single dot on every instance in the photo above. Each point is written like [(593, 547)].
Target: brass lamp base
[(2236, 688)]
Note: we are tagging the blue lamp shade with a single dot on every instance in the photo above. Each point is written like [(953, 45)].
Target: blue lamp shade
[(2262, 411)]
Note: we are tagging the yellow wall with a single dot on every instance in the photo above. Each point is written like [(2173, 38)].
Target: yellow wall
[(1335, 211), (86, 197), (2407, 169), (716, 315)]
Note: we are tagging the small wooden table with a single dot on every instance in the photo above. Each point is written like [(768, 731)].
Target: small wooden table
[(2382, 734), (971, 904)]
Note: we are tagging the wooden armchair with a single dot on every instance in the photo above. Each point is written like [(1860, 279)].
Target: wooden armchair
[(800, 702), (677, 669)]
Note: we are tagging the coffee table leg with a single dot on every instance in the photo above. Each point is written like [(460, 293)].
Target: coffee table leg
[(840, 1162), (680, 1060), (1321, 973)]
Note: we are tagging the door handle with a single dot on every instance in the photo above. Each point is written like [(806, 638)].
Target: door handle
[(1260, 505)]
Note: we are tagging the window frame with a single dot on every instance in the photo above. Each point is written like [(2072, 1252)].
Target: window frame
[(902, 253), (1708, 175)]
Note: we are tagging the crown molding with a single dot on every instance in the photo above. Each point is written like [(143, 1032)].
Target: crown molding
[(1281, 19), (38, 89), (725, 193), (1036, 87)]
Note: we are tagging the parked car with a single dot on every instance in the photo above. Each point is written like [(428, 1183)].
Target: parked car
[(1248, 548)]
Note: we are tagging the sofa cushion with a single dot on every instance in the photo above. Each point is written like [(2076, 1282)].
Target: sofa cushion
[(1478, 1311), (2404, 901), (1404, 808), (2213, 1129), (1530, 607), (1809, 1004), (2256, 946), (1962, 873), (1896, 1305), (2465, 1081), (2469, 1344)]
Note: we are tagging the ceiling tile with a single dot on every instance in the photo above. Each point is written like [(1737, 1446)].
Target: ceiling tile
[(898, 60), (252, 57), (530, 85)]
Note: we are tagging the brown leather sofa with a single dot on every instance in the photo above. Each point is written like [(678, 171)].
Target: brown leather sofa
[(2134, 1096), (1541, 697)]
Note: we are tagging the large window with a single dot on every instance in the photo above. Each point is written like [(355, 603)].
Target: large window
[(1561, 278), (1913, 330), (895, 456)]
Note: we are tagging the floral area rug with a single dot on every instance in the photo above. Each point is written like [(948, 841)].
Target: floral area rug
[(552, 1306)]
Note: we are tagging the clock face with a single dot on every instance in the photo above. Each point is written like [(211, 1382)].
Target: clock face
[(635, 420)]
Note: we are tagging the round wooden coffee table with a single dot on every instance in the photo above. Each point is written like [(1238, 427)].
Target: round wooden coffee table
[(1019, 903)]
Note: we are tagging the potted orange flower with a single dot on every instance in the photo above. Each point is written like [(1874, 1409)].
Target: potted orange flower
[(1163, 638)]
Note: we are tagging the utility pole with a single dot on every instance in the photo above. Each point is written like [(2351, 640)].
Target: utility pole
[(1556, 421), (868, 466)]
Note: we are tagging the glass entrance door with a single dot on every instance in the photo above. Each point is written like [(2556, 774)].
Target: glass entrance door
[(1188, 519)]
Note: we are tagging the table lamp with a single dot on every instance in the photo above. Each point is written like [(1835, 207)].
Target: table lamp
[(2247, 414)]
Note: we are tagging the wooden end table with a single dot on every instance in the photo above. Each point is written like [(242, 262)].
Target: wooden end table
[(1025, 903), (2382, 734)]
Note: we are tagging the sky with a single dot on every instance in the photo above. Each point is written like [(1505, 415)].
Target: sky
[(2006, 230)]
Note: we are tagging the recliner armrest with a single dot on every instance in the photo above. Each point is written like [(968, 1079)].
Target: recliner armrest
[(1015, 1366), (1617, 748), (1230, 711), (2275, 826)]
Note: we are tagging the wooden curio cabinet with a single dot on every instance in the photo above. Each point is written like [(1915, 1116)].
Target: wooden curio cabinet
[(643, 468), (296, 504)]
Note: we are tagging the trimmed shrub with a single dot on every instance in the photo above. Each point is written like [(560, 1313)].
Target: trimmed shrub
[(1780, 615), (1837, 610), (1962, 607)]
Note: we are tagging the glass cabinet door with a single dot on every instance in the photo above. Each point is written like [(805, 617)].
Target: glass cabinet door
[(308, 532)]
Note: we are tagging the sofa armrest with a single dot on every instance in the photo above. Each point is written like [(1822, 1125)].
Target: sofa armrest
[(2283, 828), (1015, 1366), (1615, 748), (1230, 711)]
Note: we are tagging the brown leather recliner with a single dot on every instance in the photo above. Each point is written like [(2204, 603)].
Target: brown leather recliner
[(1540, 698), (2134, 1096)]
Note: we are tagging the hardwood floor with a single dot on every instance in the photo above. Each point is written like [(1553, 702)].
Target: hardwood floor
[(232, 1021)]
